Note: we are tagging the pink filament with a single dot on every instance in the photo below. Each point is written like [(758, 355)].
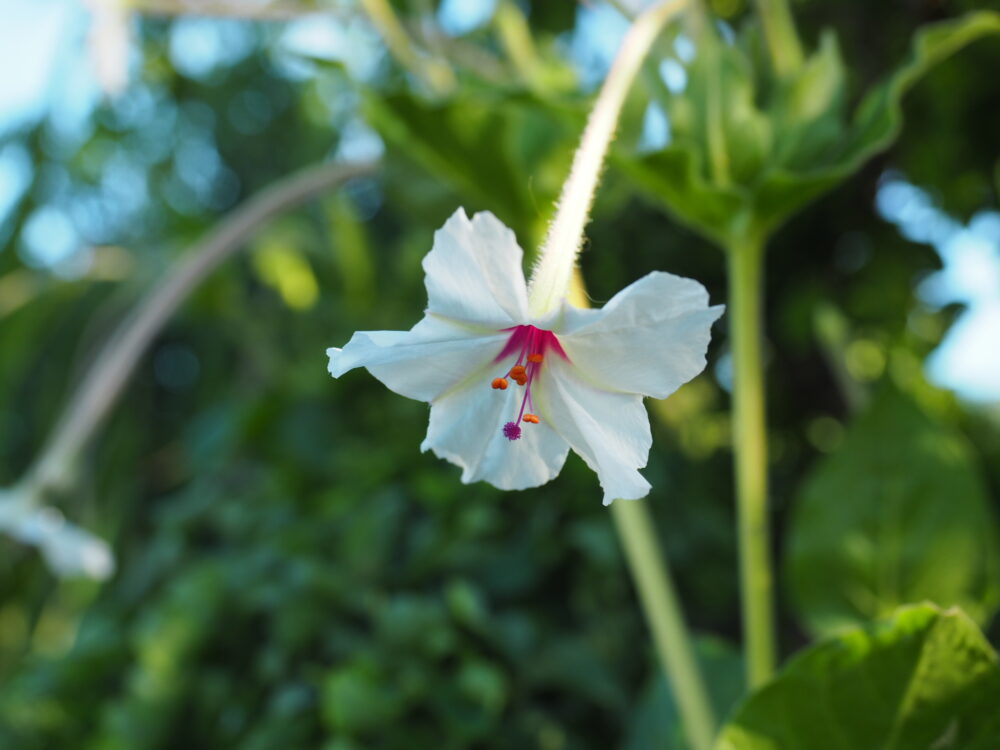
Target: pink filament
[(525, 341)]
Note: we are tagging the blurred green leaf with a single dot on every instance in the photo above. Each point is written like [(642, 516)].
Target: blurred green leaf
[(466, 604), (483, 684), (925, 678), (355, 271), (281, 265), (719, 114), (358, 697), (808, 107), (747, 155), (675, 176), (509, 152), (898, 514), (876, 123)]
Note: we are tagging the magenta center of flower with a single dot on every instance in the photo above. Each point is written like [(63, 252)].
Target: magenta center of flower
[(531, 346)]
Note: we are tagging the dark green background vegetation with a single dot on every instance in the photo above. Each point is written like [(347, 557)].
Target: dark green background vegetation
[(294, 573)]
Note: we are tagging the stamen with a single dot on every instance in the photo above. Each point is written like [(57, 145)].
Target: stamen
[(530, 344)]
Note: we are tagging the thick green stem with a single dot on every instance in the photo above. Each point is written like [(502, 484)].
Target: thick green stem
[(663, 613), (746, 261), (780, 34)]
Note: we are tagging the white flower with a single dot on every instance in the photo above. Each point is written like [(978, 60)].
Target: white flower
[(69, 550), (570, 378)]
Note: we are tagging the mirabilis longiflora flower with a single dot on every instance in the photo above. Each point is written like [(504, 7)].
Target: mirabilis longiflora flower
[(512, 387)]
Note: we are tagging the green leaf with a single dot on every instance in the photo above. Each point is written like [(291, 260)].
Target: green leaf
[(675, 176), (747, 153), (721, 116), (359, 697), (925, 678), (507, 151), (876, 124), (808, 107), (898, 514), (880, 116)]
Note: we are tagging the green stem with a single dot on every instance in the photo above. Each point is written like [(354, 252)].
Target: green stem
[(746, 261), (515, 37), (780, 35), (718, 156), (663, 613), (658, 597), (438, 76)]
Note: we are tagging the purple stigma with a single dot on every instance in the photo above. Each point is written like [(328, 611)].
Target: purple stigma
[(512, 431)]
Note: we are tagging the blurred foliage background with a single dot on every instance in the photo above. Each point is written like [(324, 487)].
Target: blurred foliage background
[(291, 571)]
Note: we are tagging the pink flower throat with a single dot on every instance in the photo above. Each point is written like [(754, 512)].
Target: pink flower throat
[(531, 345)]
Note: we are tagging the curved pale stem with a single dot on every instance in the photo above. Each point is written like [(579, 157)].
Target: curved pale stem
[(551, 276), (114, 364)]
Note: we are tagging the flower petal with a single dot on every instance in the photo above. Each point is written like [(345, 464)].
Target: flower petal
[(422, 363), (609, 430), (651, 338), (69, 550), (465, 428), (474, 272)]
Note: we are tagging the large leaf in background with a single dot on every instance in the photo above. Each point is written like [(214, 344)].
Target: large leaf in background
[(675, 176), (925, 678), (508, 152), (719, 116), (898, 514), (877, 121), (715, 177)]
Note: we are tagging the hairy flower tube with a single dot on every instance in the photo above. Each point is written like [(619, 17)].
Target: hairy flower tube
[(511, 391)]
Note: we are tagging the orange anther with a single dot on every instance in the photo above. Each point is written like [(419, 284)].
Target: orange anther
[(517, 372), (536, 358), (500, 383), (531, 418), (523, 380)]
